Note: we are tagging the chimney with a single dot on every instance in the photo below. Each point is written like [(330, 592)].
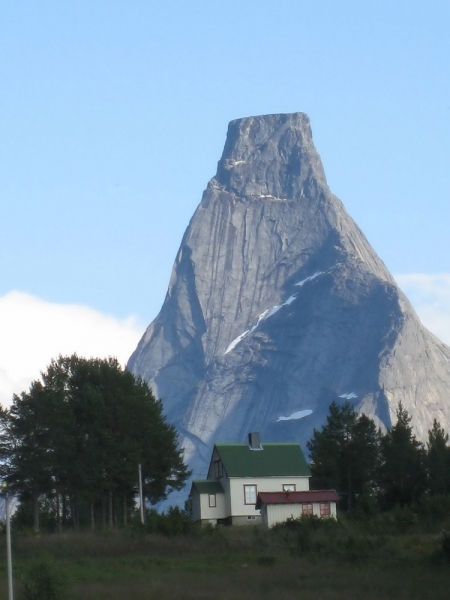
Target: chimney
[(254, 441)]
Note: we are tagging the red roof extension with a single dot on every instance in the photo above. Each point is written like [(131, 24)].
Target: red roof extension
[(297, 497)]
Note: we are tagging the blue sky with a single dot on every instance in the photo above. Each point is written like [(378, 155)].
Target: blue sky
[(113, 116)]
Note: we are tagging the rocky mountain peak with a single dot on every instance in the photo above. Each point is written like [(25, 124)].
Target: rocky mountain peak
[(278, 305), (271, 155)]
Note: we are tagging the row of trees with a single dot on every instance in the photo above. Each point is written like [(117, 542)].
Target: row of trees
[(351, 455), (75, 439)]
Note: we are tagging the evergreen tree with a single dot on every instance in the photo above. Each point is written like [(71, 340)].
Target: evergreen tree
[(30, 457), (78, 437), (438, 460), (345, 453), (402, 473)]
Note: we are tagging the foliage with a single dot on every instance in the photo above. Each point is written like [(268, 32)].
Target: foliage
[(23, 517), (374, 472), (400, 519), (438, 460), (402, 474), (76, 438), (307, 533), (345, 454), (43, 582), (304, 522), (266, 560), (118, 564), (434, 508), (173, 522), (445, 545)]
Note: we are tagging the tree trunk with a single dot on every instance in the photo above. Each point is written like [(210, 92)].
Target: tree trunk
[(125, 512), (103, 508), (110, 510), (36, 523), (58, 512), (350, 490), (64, 509), (75, 519), (92, 514)]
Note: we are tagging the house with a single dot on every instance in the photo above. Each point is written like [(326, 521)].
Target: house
[(239, 472), (277, 507)]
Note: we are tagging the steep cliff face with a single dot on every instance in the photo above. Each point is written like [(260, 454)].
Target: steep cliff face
[(278, 305)]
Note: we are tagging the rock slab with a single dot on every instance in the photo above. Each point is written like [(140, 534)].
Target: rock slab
[(277, 305)]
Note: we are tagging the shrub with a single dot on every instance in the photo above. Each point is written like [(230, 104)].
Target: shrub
[(42, 582), (174, 522), (404, 519), (399, 520), (366, 506), (152, 521), (445, 545), (266, 560), (357, 547), (435, 508), (300, 531), (303, 523)]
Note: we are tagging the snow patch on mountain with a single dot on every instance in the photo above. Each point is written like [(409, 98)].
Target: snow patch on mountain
[(274, 310), (269, 313), (236, 341), (310, 278), (262, 317), (300, 414)]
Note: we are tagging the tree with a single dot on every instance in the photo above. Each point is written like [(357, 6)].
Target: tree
[(78, 436), (402, 473), (345, 453), (438, 460), (28, 454)]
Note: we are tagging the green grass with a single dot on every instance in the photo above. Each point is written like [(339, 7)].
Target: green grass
[(329, 562)]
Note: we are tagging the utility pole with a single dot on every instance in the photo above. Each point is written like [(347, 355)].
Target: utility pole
[(8, 541), (141, 495)]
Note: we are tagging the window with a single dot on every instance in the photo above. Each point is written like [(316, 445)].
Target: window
[(250, 494), (325, 510), (218, 469), (251, 518), (212, 500), (288, 487), (307, 509)]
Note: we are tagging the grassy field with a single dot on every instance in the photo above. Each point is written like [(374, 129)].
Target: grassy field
[(333, 562)]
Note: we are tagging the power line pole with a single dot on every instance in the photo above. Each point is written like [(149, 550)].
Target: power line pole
[(141, 495), (8, 542)]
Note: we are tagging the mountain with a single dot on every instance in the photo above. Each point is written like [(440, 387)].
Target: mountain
[(277, 305)]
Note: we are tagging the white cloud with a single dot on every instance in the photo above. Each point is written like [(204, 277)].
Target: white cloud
[(430, 296), (33, 331)]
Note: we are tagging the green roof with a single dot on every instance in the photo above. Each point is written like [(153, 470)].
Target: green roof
[(282, 460), (208, 486)]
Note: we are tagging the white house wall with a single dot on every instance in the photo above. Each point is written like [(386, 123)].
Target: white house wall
[(202, 511), (263, 484), (279, 513), (212, 512)]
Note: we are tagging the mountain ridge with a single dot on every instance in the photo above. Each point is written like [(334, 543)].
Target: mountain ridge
[(277, 305)]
